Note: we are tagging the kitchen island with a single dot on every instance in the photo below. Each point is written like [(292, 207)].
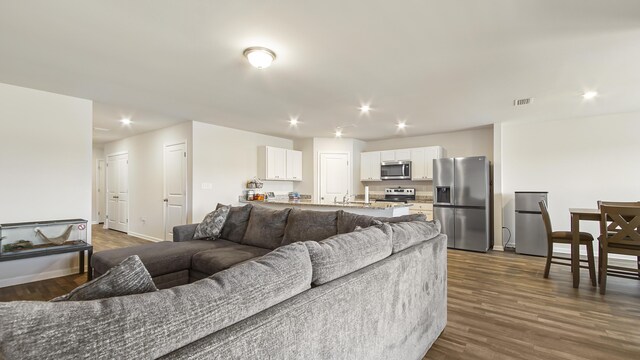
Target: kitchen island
[(356, 207)]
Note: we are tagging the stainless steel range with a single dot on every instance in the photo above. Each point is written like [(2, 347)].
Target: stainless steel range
[(398, 195)]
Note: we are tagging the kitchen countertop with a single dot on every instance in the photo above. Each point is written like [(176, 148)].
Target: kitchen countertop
[(353, 204)]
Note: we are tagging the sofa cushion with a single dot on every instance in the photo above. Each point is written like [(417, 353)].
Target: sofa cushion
[(159, 258), (303, 225), (151, 325), (345, 253), (266, 227), (127, 278), (215, 260), (211, 225), (347, 221), (407, 234), (402, 218), (236, 224)]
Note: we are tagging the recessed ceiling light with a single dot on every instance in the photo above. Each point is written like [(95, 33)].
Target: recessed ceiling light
[(293, 121), (126, 121), (401, 125), (365, 108), (338, 133), (590, 95), (259, 57)]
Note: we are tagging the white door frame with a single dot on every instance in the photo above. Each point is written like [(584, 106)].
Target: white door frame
[(106, 185), (319, 171), (164, 185), (101, 196)]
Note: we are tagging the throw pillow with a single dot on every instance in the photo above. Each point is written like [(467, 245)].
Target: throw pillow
[(407, 234), (211, 226), (236, 224), (266, 227), (304, 225), (128, 278), (343, 254)]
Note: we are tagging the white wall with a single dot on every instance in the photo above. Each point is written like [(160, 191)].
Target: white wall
[(306, 185), (146, 177), (45, 157), (227, 158), (475, 142), (97, 154), (579, 161)]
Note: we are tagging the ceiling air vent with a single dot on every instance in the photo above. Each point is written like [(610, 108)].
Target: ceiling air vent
[(520, 102)]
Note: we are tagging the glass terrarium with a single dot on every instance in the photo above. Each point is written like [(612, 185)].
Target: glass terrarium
[(41, 235)]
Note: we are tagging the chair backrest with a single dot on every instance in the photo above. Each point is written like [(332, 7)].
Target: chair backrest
[(546, 219), (626, 220), (612, 227)]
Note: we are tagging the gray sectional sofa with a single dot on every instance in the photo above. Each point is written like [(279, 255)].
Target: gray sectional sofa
[(279, 285)]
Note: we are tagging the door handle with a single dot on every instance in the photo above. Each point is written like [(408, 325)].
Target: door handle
[(165, 200)]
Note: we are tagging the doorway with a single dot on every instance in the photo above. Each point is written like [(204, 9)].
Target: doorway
[(335, 177), (118, 192), (175, 187)]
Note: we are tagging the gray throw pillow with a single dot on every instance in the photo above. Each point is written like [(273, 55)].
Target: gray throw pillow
[(128, 278), (236, 224), (407, 234), (211, 226), (304, 225), (343, 254), (266, 227)]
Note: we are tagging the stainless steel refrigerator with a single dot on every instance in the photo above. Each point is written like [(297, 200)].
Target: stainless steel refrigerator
[(461, 188), (531, 235)]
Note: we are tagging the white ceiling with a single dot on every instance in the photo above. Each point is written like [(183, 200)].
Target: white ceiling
[(439, 65)]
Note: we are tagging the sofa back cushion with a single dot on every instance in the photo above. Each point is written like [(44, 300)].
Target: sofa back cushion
[(236, 224), (407, 234), (347, 222), (148, 326), (343, 254), (303, 225), (266, 227)]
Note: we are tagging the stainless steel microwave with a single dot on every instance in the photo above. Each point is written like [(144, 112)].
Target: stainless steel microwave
[(395, 170)]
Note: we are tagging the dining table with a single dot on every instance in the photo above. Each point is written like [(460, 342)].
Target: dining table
[(578, 214)]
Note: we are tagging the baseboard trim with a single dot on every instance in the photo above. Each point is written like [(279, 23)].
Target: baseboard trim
[(145, 237), (498, 248), (18, 280)]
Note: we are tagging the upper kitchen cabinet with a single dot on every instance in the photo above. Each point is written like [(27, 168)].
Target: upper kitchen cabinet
[(370, 166), (422, 162), (395, 155), (279, 164)]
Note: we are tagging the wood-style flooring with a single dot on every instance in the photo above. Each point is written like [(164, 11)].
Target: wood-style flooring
[(499, 307)]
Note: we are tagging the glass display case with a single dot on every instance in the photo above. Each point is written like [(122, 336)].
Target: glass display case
[(30, 237)]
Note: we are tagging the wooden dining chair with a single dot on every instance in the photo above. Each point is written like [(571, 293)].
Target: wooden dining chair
[(624, 240), (565, 237)]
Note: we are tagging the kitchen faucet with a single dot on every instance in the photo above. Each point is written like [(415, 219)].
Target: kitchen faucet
[(345, 198)]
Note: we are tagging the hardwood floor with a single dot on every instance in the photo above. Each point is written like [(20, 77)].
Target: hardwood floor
[(499, 307)]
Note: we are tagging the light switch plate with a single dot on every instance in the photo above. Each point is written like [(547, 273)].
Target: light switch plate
[(207, 186)]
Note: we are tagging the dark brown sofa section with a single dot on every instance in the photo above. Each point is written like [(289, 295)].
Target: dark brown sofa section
[(249, 232)]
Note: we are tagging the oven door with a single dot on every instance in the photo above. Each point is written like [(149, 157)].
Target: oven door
[(395, 170)]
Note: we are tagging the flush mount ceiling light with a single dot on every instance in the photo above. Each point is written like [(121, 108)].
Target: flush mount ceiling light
[(125, 121), (589, 95), (259, 57), (365, 108)]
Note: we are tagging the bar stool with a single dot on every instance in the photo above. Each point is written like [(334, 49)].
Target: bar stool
[(565, 237)]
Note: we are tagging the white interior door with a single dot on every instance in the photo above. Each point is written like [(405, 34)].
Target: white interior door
[(175, 187), (101, 196), (335, 178), (118, 192)]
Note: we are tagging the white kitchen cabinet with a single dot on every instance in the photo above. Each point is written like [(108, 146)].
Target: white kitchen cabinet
[(395, 155), (389, 155), (294, 165), (422, 162), (370, 166), (279, 164)]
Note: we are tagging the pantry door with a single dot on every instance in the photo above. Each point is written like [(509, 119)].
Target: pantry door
[(118, 192), (175, 187), (335, 177)]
